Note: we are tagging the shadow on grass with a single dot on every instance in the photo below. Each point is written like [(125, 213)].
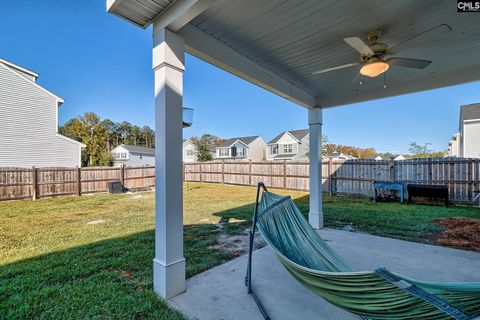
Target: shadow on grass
[(110, 278)]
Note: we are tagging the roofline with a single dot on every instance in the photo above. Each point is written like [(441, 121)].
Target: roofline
[(8, 67), (123, 145), (284, 133), (83, 145), (245, 144), (20, 68)]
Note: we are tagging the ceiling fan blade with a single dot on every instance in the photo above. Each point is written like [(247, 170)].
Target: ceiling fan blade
[(408, 63), (358, 44), (424, 36), (336, 68)]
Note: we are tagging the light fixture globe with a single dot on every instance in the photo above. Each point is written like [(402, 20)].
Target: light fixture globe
[(374, 67)]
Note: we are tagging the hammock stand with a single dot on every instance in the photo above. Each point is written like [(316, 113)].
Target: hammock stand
[(407, 286)]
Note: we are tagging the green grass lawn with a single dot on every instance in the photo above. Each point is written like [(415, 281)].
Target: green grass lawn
[(91, 257)]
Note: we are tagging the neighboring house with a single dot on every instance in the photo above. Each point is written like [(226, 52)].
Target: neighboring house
[(189, 151), (399, 158), (340, 156), (289, 145), (247, 148), (377, 158), (133, 156), (28, 123), (466, 143), (454, 146)]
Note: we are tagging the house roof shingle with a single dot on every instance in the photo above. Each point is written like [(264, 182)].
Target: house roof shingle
[(230, 141), (297, 134), (470, 111), (138, 149)]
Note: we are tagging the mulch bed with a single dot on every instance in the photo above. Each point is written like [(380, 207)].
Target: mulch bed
[(461, 233)]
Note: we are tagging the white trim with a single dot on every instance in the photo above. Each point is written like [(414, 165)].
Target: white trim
[(20, 68), (60, 100), (83, 145), (179, 13)]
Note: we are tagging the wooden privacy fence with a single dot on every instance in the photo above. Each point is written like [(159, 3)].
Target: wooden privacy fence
[(346, 177), (34, 183)]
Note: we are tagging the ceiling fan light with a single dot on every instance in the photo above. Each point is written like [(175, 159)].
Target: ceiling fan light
[(374, 68)]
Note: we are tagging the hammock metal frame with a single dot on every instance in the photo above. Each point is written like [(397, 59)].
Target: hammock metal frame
[(402, 283)]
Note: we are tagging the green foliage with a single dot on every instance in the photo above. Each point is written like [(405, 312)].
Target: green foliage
[(423, 151), (359, 153), (101, 136), (202, 148)]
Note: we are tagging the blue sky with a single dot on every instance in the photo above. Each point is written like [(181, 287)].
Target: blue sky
[(98, 62)]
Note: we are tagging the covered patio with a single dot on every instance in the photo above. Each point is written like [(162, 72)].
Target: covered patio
[(295, 49)]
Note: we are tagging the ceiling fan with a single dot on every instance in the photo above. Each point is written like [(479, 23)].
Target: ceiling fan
[(376, 57)]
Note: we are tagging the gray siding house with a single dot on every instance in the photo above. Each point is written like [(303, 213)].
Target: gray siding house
[(247, 148), (289, 145), (133, 156), (469, 128), (28, 121), (466, 143)]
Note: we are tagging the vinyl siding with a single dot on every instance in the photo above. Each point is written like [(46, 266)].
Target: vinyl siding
[(257, 149), (471, 139), (28, 122)]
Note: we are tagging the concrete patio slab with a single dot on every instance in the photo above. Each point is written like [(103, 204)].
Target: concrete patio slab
[(220, 293)]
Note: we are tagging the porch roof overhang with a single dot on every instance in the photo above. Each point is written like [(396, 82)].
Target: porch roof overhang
[(278, 45)]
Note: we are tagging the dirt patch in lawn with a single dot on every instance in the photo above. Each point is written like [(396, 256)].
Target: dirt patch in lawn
[(461, 233), (238, 244)]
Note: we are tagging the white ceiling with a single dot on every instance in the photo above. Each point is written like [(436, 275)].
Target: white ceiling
[(292, 39)]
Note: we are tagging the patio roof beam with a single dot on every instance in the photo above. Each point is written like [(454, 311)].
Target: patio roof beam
[(172, 17), (209, 49)]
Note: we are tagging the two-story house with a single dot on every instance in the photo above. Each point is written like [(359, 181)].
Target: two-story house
[(242, 148), (290, 145), (466, 143), (133, 156), (28, 123)]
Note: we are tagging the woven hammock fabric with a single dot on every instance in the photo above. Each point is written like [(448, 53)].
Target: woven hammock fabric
[(314, 264)]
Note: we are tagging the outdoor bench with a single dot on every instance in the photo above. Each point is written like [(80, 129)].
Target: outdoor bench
[(427, 191)]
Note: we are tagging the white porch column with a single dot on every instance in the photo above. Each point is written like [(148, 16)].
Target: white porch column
[(315, 216), (168, 66)]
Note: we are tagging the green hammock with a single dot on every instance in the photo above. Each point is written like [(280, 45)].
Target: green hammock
[(378, 294)]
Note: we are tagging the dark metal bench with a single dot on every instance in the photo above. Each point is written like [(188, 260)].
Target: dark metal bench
[(427, 191), (388, 185)]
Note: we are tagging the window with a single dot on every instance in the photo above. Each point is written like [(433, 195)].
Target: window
[(287, 148), (240, 152), (121, 155), (189, 153), (223, 152), (274, 149)]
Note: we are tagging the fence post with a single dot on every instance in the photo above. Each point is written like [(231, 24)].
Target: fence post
[(250, 173), (284, 174), (79, 181), (392, 170), (223, 171), (200, 171), (34, 184), (122, 175), (330, 180), (429, 170)]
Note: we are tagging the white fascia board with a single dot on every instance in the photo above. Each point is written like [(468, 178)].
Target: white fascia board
[(180, 13), (83, 145), (174, 17), (209, 49), (60, 100)]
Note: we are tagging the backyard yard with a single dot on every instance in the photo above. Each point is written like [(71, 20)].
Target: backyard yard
[(90, 257)]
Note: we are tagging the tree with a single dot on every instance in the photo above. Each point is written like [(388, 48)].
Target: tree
[(203, 146)]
